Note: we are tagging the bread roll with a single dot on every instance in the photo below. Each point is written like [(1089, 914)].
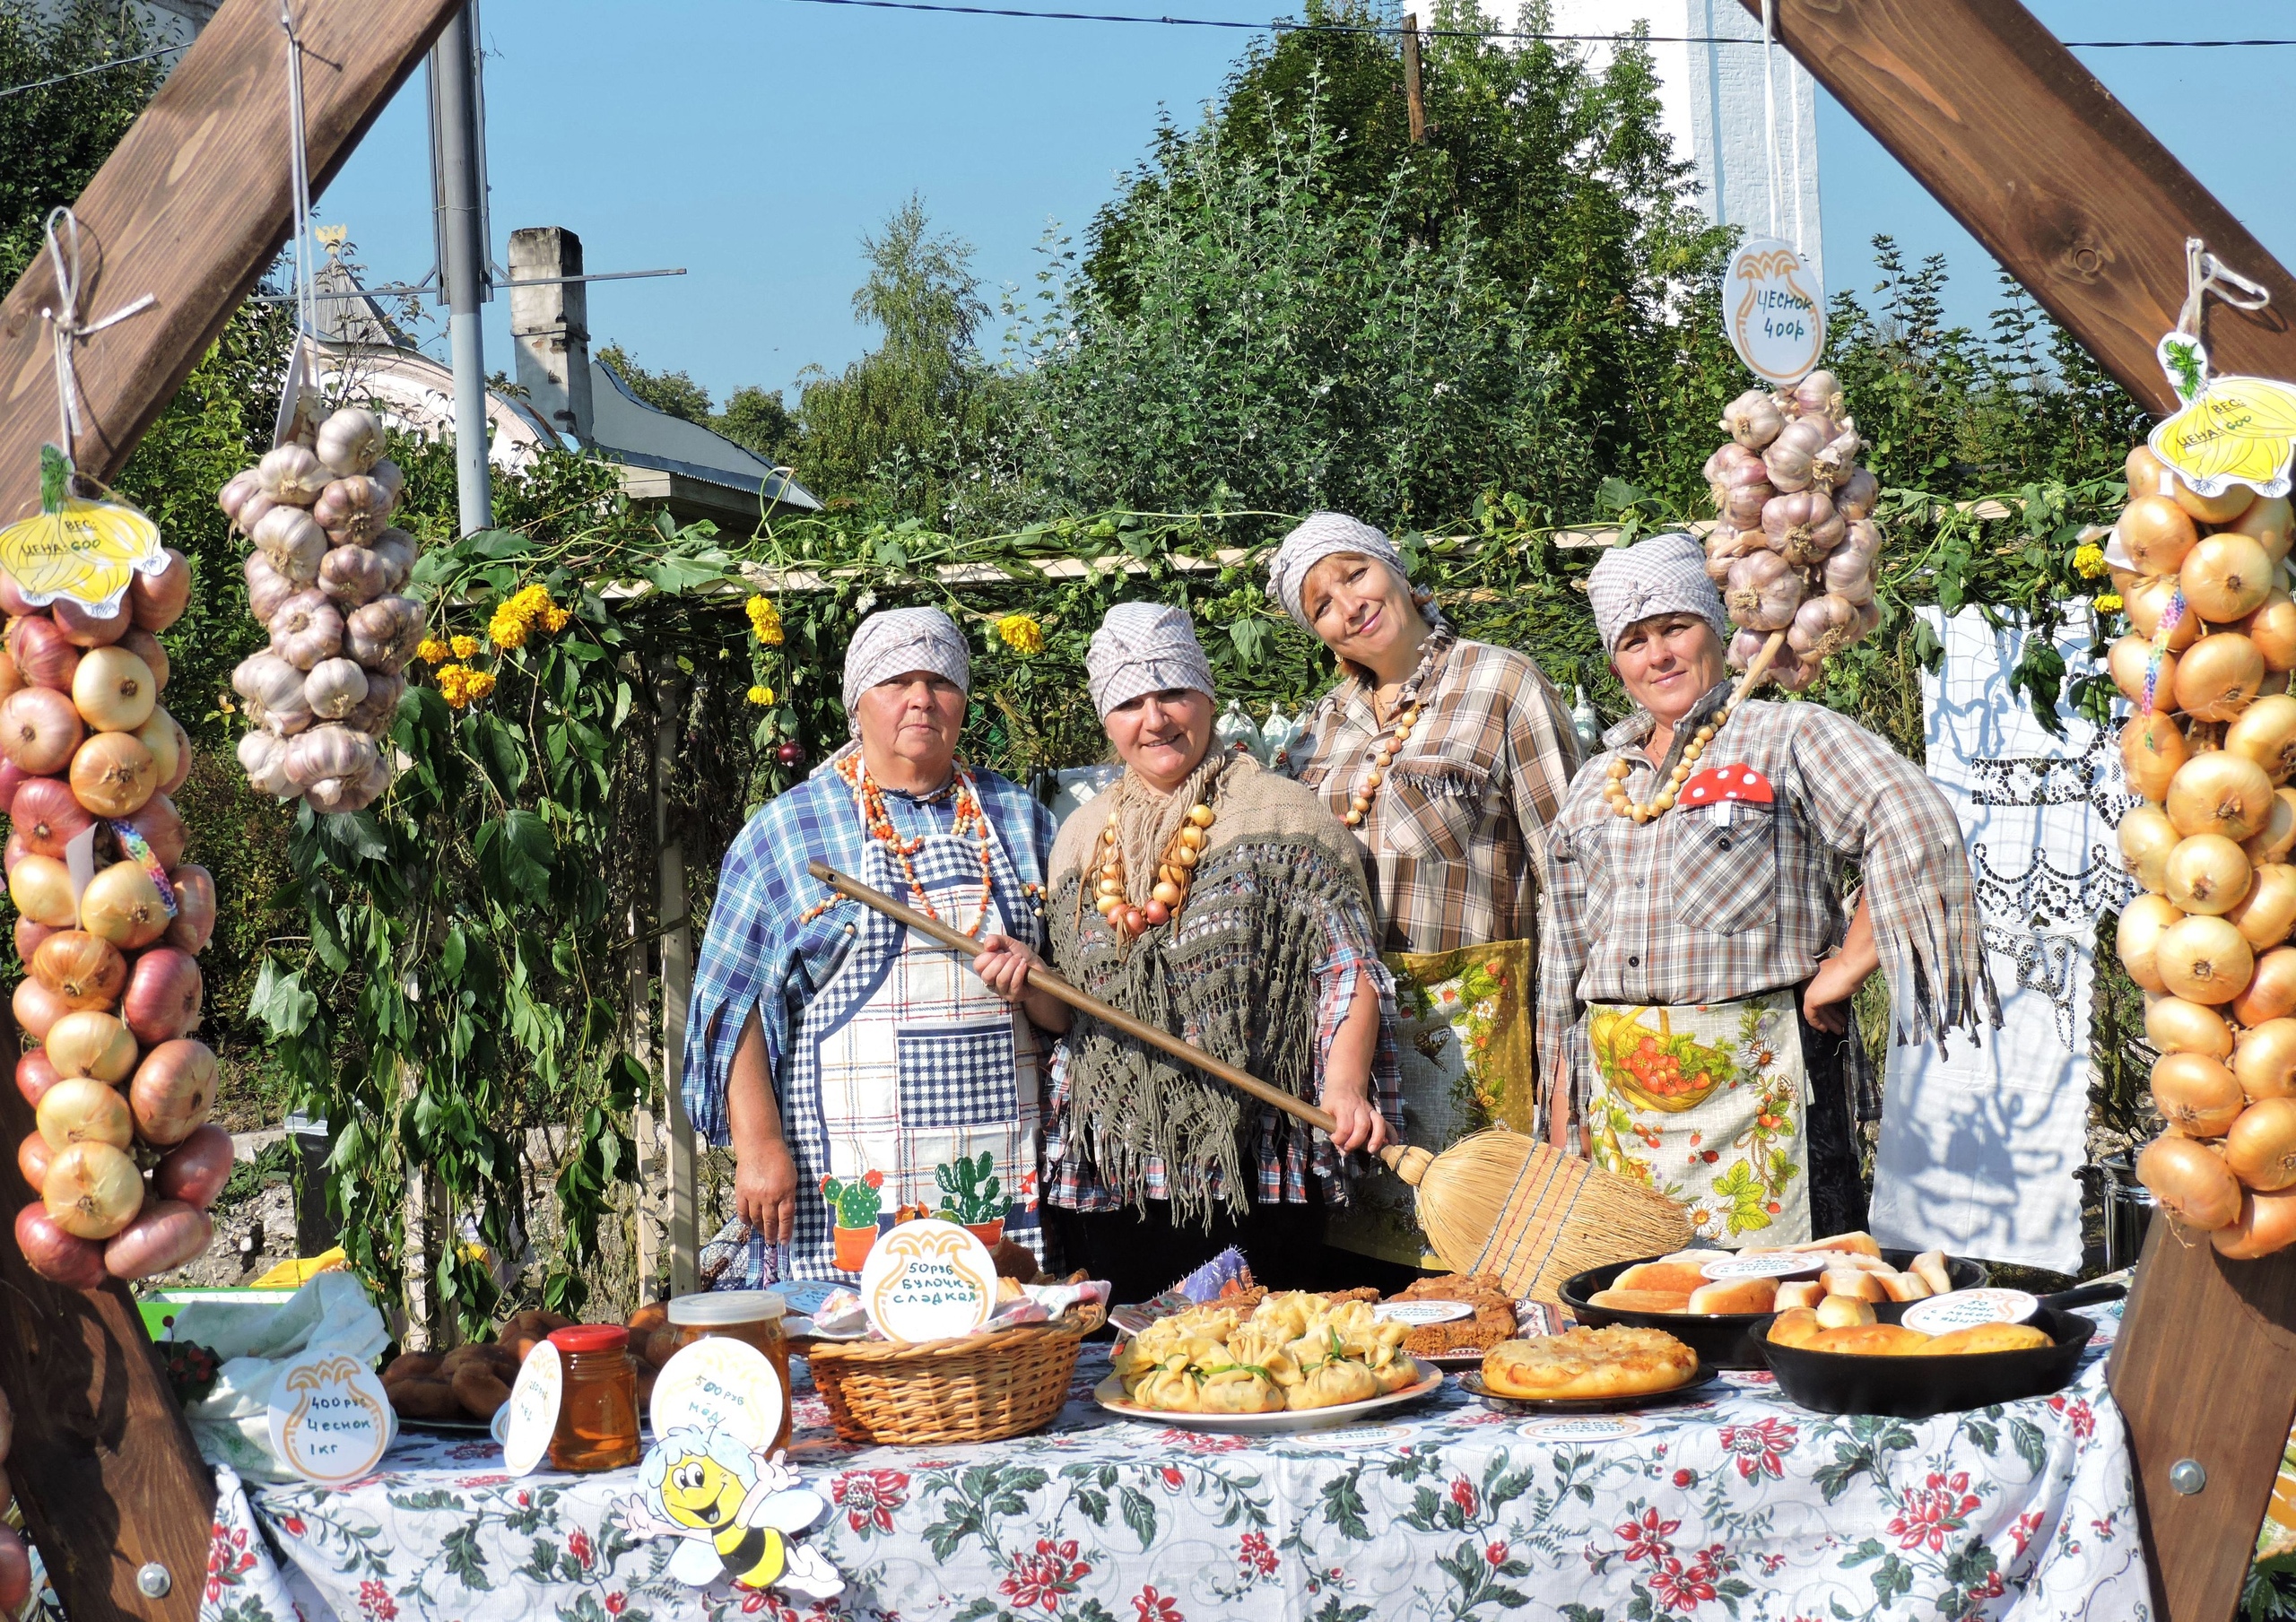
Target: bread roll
[(1863, 1242), (1641, 1300), (1734, 1295), (425, 1397), (1843, 1311), (1872, 1341), (1854, 1281), (479, 1390), (1673, 1277), (411, 1366), (1987, 1337), (1904, 1287), (1799, 1292), (1796, 1326), (1933, 1270)]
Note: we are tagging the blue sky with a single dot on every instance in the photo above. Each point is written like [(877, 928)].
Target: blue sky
[(755, 140)]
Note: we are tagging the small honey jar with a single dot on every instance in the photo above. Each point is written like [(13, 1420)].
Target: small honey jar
[(750, 1315), (597, 1415)]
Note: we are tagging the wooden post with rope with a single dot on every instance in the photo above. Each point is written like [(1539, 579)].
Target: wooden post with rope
[(1414, 102)]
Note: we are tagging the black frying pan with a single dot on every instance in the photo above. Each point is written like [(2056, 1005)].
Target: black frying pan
[(1916, 1388), (1731, 1340)]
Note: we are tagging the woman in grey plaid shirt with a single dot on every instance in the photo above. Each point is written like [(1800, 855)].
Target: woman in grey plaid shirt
[(1696, 966), (1447, 759)]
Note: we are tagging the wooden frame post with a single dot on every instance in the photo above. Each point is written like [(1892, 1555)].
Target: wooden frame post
[(2077, 200), (677, 983)]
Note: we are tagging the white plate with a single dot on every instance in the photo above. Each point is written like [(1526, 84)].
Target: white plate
[(1109, 1394)]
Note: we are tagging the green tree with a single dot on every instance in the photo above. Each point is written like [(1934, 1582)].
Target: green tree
[(756, 420), (53, 139)]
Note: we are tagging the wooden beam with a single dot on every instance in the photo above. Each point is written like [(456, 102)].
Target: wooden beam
[(2043, 165), (2205, 1373), (102, 1463), (192, 208)]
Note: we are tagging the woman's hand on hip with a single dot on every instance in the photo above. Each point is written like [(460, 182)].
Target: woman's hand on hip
[(765, 1191), (1004, 964), (1355, 1124)]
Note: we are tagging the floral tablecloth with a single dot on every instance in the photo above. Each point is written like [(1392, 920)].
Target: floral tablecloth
[(1743, 1507)]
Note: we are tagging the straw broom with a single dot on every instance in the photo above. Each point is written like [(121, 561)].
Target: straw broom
[(1519, 1208)]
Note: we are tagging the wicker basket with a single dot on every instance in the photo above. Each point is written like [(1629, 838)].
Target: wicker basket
[(976, 1388)]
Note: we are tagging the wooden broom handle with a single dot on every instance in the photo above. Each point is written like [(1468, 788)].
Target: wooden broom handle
[(1083, 1001), (1688, 726)]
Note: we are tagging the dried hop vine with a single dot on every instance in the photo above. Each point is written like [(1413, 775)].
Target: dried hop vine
[(1022, 634), (765, 620)]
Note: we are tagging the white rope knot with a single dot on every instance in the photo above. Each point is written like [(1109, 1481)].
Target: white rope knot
[(64, 326), (2206, 273)]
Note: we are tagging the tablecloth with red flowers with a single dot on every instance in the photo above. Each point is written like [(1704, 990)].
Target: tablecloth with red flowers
[(1741, 1507)]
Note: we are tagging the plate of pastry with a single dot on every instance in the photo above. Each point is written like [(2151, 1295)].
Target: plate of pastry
[(1589, 1371), (1296, 1361)]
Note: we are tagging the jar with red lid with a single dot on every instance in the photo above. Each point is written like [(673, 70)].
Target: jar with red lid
[(597, 1415)]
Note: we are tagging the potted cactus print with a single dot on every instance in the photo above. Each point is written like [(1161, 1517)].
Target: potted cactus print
[(973, 1197), (854, 1200)]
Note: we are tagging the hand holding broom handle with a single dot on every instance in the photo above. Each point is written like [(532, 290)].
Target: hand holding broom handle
[(1707, 708), (1409, 1164)]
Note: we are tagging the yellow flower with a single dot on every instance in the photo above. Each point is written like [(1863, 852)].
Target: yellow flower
[(478, 685), (435, 652), (760, 695), (2110, 604), (507, 627), (454, 684), (2089, 561), (765, 620), (464, 646), (554, 618), (1022, 634)]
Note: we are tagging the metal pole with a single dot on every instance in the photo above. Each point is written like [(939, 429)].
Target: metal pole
[(453, 82)]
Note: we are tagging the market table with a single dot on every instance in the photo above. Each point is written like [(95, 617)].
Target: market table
[(1741, 1505)]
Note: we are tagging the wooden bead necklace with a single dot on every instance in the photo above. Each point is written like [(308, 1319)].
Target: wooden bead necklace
[(1388, 742), (1175, 873), (878, 820), (1614, 790)]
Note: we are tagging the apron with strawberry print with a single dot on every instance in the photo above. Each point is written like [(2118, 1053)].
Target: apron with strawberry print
[(1705, 1105)]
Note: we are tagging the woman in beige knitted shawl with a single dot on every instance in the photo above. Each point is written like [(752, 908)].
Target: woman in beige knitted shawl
[(1208, 897)]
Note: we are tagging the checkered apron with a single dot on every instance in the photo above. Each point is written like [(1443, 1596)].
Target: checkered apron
[(1705, 1105), (905, 1061)]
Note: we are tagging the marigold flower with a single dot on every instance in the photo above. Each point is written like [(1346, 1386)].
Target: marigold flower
[(1022, 634), (760, 695), (765, 620), (454, 684), (554, 618), (2089, 561), (2110, 604), (507, 628), (464, 646), (435, 652), (480, 685)]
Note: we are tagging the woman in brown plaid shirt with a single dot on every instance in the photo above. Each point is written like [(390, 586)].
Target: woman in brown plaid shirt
[(1447, 758), (1696, 964)]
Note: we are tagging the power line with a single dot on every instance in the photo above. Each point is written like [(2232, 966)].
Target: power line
[(1439, 33), (82, 73)]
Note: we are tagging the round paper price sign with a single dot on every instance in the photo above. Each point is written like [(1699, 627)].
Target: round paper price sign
[(1775, 311), (1968, 1308), (330, 1421), (530, 1418), (1419, 1313), (1804, 1266), (719, 1384), (927, 1280)]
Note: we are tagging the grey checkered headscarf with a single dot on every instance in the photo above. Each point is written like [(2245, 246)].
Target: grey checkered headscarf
[(1322, 535), (900, 640), (1144, 647), (1663, 575)]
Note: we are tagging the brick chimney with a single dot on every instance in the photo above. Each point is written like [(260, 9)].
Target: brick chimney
[(550, 324)]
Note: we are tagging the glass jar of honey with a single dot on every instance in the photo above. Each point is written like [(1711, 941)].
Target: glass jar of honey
[(749, 1315), (597, 1415)]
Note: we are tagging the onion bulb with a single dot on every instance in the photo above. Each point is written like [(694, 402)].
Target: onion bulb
[(2130, 658), (2272, 629), (2210, 509), (2267, 1225), (79, 1110), (163, 735), (2156, 534), (84, 627), (2219, 792), (41, 888), (2199, 958), (113, 690), (39, 729), (2219, 676), (2267, 522), (165, 1235), (2225, 577), (2264, 1059), (37, 1007), (47, 817), (122, 906), (2146, 473), (113, 775), (175, 1087), (2174, 1026), (2271, 993), (85, 970), (32, 1156), (28, 935), (94, 1189), (35, 1073), (2275, 840), (164, 991), (196, 1170), (147, 648), (89, 1042), (2266, 733), (56, 1254), (2189, 1180), (2260, 1146), (43, 656), (2143, 922), (2207, 873), (2195, 1094), (2146, 838), (156, 602), (2151, 752), (2146, 603), (161, 827), (2264, 916), (195, 920)]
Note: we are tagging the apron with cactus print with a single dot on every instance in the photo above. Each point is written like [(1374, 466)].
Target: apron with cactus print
[(1705, 1105)]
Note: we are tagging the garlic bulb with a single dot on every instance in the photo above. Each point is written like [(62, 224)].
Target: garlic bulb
[(1802, 527), (352, 510), (1752, 420), (1795, 675), (1822, 626), (292, 475), (267, 588), (1744, 646), (1742, 507), (1764, 591), (329, 755), (307, 629), (348, 442), (1788, 457), (353, 574), (335, 688), (1855, 495), (264, 758), (1725, 546), (294, 542), (395, 548), (383, 635), (1838, 460), (1848, 574), (355, 793), (267, 679), (235, 492), (1818, 394), (375, 713)]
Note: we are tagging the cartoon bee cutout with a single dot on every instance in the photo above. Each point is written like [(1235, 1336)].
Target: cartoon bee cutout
[(734, 1511)]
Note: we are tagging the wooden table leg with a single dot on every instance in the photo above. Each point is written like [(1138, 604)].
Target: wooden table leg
[(2205, 1373), (103, 1463)]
